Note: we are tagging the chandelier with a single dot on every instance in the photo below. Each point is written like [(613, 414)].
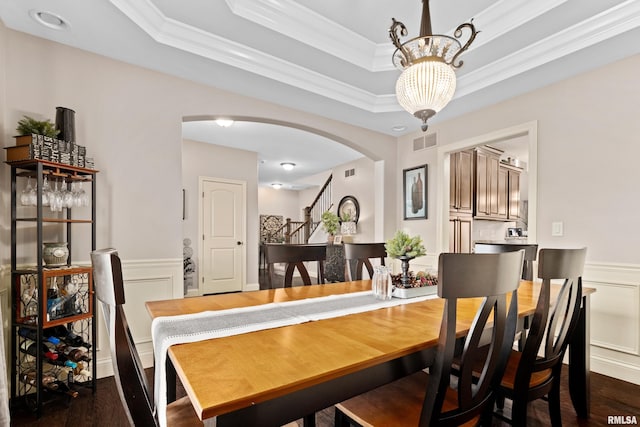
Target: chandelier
[(427, 62)]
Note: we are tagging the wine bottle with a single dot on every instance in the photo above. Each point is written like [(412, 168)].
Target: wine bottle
[(63, 388), (67, 337), (47, 380), (63, 361), (52, 295), (76, 354), (32, 335), (31, 348)]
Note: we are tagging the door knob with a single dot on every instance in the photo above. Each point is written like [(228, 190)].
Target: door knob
[(239, 243)]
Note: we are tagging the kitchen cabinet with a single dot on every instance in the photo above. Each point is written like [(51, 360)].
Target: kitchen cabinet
[(461, 172), (514, 193), (460, 233), (503, 193), (487, 167)]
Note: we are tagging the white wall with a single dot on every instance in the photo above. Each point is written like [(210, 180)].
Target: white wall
[(130, 119), (280, 202), (362, 186), (200, 159), (587, 179)]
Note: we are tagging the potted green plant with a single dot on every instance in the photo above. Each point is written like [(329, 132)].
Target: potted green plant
[(330, 223), (28, 125), (405, 248)]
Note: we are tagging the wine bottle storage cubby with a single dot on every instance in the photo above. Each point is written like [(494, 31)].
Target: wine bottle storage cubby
[(65, 292)]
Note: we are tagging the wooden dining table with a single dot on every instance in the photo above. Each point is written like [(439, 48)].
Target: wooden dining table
[(275, 376)]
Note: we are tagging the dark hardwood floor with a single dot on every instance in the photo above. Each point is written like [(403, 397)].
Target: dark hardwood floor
[(608, 397)]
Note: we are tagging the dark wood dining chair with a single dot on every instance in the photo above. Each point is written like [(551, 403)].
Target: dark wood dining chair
[(131, 382), (534, 372), (530, 254), (294, 256), (358, 255), (429, 399)]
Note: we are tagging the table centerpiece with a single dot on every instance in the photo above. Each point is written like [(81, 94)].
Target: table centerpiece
[(405, 248)]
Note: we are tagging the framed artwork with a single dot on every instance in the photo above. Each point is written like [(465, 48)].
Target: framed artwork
[(350, 207), (337, 239), (414, 184)]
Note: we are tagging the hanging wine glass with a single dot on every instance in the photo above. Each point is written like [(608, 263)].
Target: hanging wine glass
[(67, 195), (25, 194), (55, 199), (33, 195), (46, 189), (81, 196)]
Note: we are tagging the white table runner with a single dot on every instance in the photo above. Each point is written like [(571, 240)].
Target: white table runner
[(170, 330)]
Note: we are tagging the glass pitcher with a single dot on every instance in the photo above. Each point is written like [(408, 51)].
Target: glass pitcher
[(381, 282)]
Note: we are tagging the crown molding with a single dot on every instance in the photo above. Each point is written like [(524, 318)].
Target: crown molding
[(498, 20), (304, 25), (610, 23)]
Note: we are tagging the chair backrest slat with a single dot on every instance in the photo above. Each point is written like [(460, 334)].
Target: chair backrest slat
[(530, 253), (495, 279), (361, 253), (294, 256), (131, 382), (552, 324)]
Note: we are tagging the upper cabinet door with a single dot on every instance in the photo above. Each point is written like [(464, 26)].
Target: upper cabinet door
[(487, 199), (461, 182)]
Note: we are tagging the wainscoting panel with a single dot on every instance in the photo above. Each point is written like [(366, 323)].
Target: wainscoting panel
[(144, 280), (615, 319), (615, 310), (615, 307)]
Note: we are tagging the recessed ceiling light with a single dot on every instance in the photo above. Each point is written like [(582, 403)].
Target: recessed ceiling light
[(276, 185), (49, 19), (399, 128), (225, 123), (287, 166)]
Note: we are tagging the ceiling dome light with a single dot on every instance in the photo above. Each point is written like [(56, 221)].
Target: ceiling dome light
[(276, 185), (428, 80), (48, 19), (288, 166), (225, 123)]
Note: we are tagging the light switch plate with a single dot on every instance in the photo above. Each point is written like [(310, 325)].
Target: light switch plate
[(557, 229)]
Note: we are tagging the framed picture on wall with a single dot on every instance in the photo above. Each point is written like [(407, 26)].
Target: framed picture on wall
[(415, 192)]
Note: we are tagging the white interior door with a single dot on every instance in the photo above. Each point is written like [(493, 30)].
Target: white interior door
[(222, 222)]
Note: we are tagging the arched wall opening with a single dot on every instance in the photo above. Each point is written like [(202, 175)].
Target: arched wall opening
[(379, 182)]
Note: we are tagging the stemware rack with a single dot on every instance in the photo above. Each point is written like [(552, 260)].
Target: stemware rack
[(33, 314)]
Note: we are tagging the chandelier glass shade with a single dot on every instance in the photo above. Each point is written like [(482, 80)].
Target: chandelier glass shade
[(426, 87), (428, 80)]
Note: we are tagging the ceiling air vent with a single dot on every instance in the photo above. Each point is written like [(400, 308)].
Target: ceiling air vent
[(425, 142)]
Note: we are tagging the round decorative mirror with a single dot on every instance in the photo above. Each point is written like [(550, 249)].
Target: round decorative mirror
[(349, 207)]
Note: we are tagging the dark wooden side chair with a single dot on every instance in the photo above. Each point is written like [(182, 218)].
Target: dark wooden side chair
[(535, 372), (131, 382), (530, 254), (294, 256), (359, 254), (429, 399)]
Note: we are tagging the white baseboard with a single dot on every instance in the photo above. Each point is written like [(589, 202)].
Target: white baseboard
[(251, 287), (616, 369), (104, 367)]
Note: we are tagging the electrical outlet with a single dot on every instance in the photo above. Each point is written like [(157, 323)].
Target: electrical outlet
[(557, 229)]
